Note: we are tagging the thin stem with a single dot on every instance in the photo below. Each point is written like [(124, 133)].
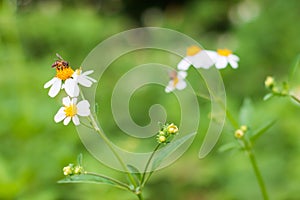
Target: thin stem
[(147, 165), (140, 196), (295, 98), (107, 141), (258, 175)]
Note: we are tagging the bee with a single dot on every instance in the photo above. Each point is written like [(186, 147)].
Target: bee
[(60, 63)]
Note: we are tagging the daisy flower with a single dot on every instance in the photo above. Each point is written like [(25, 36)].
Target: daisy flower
[(197, 57), (71, 110), (177, 81), (68, 79), (223, 57), (79, 77), (63, 74)]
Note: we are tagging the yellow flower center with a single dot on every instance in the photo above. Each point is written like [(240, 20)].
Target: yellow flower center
[(192, 50), (224, 52), (71, 110), (175, 81), (64, 73)]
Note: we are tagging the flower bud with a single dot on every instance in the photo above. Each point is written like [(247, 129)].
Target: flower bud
[(162, 139), (244, 128), (172, 129), (239, 134), (78, 170), (68, 170), (269, 82)]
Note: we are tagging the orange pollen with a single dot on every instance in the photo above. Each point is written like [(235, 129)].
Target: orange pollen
[(224, 52), (70, 110), (64, 73), (175, 81), (193, 50)]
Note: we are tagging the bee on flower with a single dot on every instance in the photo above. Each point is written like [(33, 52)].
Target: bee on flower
[(68, 79), (177, 81), (197, 57), (71, 110)]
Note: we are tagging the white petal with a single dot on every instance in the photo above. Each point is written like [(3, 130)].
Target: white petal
[(184, 64), (182, 74), (75, 120), (60, 115), (55, 88), (66, 101), (74, 100), (233, 57), (83, 108), (84, 81), (202, 60), (88, 72), (181, 85), (71, 88), (170, 87), (49, 83), (233, 64), (221, 62), (67, 120)]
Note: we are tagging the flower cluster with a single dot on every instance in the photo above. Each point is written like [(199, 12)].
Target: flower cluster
[(239, 133), (276, 88), (199, 58), (166, 133), (73, 170), (68, 79)]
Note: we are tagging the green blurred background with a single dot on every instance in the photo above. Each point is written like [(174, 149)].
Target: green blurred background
[(265, 34)]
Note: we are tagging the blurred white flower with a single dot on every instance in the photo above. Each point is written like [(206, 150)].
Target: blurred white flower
[(197, 57), (71, 110), (177, 81), (224, 56)]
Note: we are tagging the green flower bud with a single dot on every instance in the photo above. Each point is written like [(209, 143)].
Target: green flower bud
[(239, 134)]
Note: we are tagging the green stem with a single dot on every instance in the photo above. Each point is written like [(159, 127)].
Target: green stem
[(147, 165), (140, 196), (258, 175), (107, 141), (295, 98)]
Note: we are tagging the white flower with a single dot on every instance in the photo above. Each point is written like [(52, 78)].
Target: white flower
[(63, 73), (71, 86), (197, 57), (177, 82), (71, 110), (224, 56)]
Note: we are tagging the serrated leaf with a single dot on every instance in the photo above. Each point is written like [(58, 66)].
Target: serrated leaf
[(262, 130), (246, 112), (228, 147), (168, 149), (92, 178), (268, 96), (79, 159), (134, 171)]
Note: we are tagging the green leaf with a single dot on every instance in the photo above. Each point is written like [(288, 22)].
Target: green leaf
[(134, 171), (262, 130), (93, 178), (268, 96), (79, 159), (169, 149), (228, 147), (246, 112)]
